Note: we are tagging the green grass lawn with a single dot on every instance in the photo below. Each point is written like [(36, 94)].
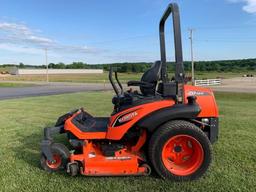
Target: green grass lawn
[(7, 84), (101, 78), (223, 75), (81, 78), (21, 130)]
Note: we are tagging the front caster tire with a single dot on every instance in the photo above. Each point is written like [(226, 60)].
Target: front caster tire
[(180, 151), (60, 156), (73, 169), (147, 169)]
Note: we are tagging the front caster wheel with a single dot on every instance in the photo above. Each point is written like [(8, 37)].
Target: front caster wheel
[(147, 169), (73, 169), (180, 151), (60, 156)]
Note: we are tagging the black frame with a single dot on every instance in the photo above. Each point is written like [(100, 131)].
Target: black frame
[(179, 68)]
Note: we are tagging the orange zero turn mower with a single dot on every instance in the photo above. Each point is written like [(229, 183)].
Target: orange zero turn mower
[(167, 126)]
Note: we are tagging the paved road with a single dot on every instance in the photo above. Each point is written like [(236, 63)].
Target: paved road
[(50, 89), (239, 84)]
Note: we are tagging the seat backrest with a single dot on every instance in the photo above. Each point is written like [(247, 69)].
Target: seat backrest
[(152, 76)]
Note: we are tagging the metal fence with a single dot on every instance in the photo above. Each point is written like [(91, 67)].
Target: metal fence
[(207, 82)]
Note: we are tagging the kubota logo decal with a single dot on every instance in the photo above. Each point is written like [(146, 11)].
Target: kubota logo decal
[(127, 117)]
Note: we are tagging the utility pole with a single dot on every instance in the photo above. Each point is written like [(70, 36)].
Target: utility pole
[(46, 63), (192, 55)]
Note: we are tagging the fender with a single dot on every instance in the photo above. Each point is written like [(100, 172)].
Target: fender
[(177, 111)]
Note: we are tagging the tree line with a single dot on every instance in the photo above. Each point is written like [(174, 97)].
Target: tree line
[(220, 66)]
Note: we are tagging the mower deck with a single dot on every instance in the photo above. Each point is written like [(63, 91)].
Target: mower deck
[(122, 162)]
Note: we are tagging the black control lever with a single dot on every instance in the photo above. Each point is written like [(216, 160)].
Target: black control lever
[(112, 82), (120, 85)]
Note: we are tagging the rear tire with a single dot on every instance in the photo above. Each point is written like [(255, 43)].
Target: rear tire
[(60, 155), (180, 151)]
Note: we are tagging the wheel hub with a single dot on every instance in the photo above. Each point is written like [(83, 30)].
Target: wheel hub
[(177, 149), (182, 155), (55, 163)]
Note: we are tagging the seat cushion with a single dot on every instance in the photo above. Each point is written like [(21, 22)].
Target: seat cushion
[(151, 76), (86, 123)]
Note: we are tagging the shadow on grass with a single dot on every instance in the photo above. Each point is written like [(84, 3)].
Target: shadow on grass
[(29, 149)]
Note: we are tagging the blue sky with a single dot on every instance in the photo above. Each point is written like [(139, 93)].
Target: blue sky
[(122, 31)]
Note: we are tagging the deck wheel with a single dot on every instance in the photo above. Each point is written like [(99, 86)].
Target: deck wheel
[(56, 163), (73, 169), (60, 156), (147, 169)]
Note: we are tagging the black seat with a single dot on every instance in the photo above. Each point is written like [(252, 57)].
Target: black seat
[(86, 123), (148, 80)]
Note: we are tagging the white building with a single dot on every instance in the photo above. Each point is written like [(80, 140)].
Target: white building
[(54, 71)]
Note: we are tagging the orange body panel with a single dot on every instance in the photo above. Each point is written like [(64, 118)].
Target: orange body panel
[(205, 99), (117, 132)]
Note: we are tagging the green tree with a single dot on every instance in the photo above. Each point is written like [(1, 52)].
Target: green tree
[(21, 66)]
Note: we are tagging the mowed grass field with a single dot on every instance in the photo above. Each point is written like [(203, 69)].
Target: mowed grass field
[(80, 78), (21, 130), (101, 78), (9, 84)]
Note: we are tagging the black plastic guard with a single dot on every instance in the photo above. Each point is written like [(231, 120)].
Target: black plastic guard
[(61, 120), (48, 140), (214, 129), (177, 111)]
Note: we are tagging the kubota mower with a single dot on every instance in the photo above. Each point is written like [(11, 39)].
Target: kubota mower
[(167, 126)]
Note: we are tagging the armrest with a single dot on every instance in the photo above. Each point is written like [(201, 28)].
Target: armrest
[(140, 83)]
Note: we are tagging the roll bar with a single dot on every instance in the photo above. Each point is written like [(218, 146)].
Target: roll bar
[(179, 70)]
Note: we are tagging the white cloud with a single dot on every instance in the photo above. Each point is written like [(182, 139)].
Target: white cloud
[(14, 27), (249, 7), (77, 49), (39, 40), (19, 35), (19, 49)]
